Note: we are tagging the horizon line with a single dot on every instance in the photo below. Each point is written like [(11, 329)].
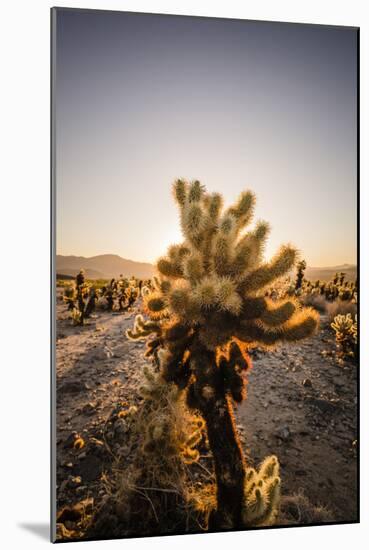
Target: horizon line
[(349, 264)]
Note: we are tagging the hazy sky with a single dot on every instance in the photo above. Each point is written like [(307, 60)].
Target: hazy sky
[(144, 99)]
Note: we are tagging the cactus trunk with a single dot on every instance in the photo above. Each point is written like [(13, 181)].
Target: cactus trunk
[(229, 464)]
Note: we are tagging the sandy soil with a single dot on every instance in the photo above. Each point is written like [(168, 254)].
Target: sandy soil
[(301, 406)]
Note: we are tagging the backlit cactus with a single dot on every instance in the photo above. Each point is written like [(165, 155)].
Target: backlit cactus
[(345, 328), (335, 289), (208, 308), (301, 266), (80, 298), (120, 295), (262, 493)]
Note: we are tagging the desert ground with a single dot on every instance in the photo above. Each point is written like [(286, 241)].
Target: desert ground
[(300, 405)]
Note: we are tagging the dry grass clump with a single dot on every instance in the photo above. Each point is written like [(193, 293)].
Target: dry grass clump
[(298, 510), (152, 494), (316, 301), (340, 307)]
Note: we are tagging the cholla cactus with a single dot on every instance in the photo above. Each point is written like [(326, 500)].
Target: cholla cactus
[(207, 309), (69, 297), (132, 293), (120, 295), (80, 278), (262, 493), (80, 298), (301, 266), (90, 302), (339, 288), (109, 293), (345, 328)]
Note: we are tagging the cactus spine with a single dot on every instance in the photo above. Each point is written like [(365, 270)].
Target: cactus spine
[(207, 309)]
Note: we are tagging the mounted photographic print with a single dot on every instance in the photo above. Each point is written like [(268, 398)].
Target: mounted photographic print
[(204, 274)]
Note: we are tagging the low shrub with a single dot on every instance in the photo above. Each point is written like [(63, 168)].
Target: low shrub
[(316, 301), (340, 307)]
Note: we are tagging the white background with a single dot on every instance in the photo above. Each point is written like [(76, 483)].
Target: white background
[(24, 287)]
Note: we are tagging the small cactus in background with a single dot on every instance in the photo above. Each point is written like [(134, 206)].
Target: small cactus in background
[(69, 297), (91, 302), (301, 266), (208, 308), (80, 278), (120, 295), (109, 293), (117, 295), (345, 328), (80, 298)]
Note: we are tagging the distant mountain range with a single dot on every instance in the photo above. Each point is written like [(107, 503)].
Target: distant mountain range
[(107, 266), (327, 273), (104, 266)]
